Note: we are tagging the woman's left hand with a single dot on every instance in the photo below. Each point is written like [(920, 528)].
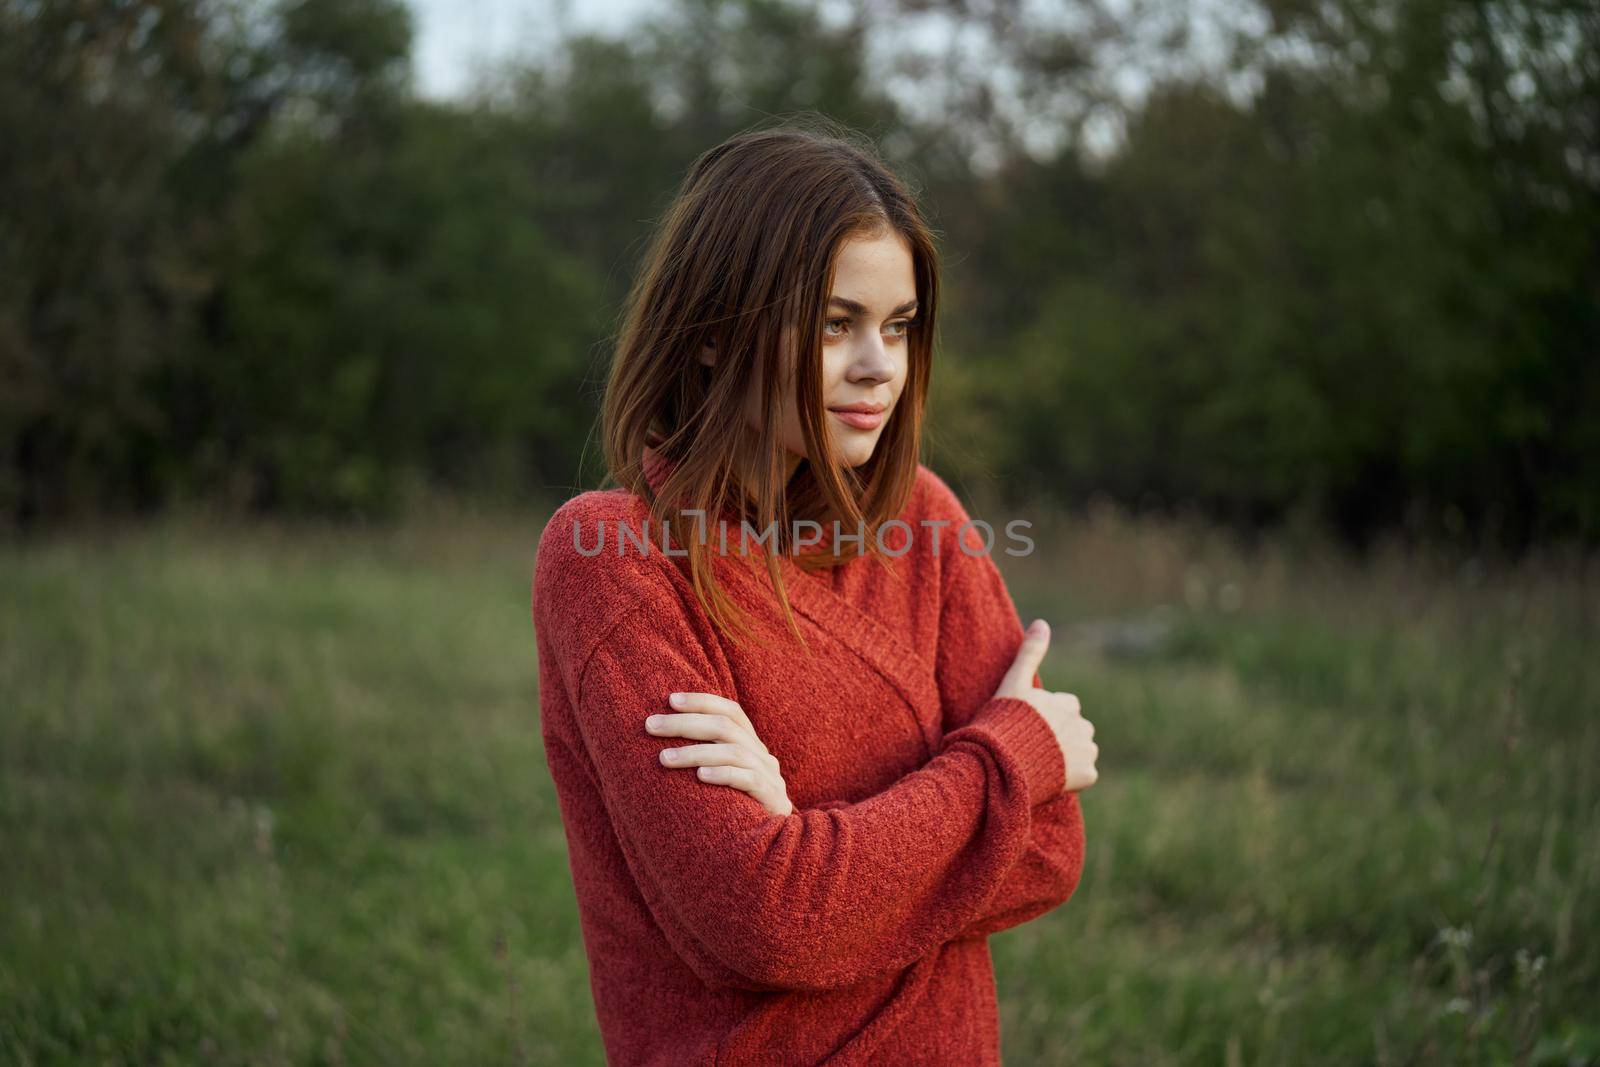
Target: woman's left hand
[(735, 757)]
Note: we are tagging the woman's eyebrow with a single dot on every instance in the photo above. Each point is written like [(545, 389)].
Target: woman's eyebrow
[(861, 309)]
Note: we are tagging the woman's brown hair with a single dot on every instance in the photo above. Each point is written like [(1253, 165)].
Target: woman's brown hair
[(745, 254)]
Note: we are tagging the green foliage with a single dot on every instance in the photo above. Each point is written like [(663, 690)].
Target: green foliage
[(244, 262), (1362, 309)]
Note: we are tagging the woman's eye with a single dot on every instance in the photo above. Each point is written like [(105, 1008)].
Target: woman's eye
[(897, 329)]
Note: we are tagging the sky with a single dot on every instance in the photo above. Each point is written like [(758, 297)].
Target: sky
[(457, 37)]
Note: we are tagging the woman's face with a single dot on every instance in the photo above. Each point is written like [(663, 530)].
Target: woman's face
[(864, 350)]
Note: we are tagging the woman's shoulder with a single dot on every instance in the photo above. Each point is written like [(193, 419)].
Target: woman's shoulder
[(581, 538), (949, 525), (582, 584)]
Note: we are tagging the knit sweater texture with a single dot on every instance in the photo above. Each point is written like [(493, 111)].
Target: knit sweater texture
[(928, 813)]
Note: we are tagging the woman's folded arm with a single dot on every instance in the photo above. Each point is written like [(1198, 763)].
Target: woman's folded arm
[(980, 632), (1043, 877), (823, 897)]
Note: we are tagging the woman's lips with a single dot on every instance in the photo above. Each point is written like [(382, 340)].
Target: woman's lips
[(861, 420)]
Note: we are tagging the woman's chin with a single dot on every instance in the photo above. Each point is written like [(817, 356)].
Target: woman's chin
[(855, 453)]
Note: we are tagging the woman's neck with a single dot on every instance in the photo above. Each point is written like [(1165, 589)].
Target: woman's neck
[(747, 466)]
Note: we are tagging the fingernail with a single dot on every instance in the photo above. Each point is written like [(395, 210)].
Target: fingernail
[(676, 699), (653, 722), (668, 755)]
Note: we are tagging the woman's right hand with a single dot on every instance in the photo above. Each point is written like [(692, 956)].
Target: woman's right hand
[(1074, 733), (736, 757)]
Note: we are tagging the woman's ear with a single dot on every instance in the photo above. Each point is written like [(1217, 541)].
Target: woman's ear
[(707, 353)]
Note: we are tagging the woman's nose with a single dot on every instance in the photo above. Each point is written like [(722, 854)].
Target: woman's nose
[(872, 361)]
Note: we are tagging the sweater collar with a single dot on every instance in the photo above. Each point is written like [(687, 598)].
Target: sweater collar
[(656, 466)]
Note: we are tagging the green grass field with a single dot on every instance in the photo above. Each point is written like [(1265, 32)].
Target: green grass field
[(276, 795)]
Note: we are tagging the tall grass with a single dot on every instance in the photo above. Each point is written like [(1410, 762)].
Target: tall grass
[(274, 794)]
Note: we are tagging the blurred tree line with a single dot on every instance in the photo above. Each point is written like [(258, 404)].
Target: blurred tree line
[(242, 260)]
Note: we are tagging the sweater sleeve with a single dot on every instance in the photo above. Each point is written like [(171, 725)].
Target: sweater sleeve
[(823, 897), (979, 634)]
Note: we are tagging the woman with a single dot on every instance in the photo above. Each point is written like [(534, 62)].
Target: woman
[(802, 778)]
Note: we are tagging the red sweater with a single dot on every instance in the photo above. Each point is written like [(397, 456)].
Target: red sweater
[(927, 813)]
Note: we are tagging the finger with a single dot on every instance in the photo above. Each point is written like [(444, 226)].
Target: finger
[(700, 727), (738, 777), (715, 755), (714, 704), (1030, 655)]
